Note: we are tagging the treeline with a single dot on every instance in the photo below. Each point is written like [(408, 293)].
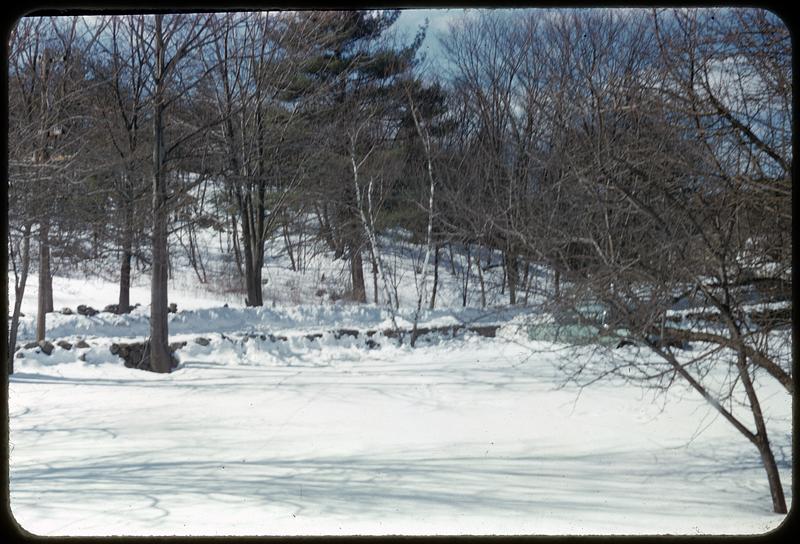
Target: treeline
[(643, 156)]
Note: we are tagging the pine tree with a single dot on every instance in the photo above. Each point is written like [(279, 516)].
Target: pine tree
[(361, 73)]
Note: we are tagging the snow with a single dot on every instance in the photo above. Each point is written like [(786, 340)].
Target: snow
[(472, 436), (326, 436)]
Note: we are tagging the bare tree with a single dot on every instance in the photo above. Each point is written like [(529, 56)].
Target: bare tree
[(123, 66), (256, 59), (654, 222), (173, 46), (48, 84)]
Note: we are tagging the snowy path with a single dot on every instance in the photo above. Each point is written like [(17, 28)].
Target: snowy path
[(465, 436)]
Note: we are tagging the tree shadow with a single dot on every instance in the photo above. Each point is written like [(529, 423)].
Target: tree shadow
[(411, 483)]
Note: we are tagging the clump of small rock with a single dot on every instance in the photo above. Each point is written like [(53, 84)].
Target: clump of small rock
[(137, 354), (114, 309), (86, 310)]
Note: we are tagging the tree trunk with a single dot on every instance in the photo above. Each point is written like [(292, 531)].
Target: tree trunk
[(253, 262), (125, 267), (288, 243), (435, 275), (452, 260), (466, 278), (761, 439), (44, 285), (773, 476), (19, 293), (125, 283), (480, 279), (374, 277), (236, 252), (503, 276), (357, 275), (513, 276), (255, 296), (526, 281), (48, 301), (160, 360)]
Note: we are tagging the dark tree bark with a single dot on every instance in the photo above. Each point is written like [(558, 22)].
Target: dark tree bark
[(512, 273), (125, 282), (480, 278), (253, 280), (435, 275), (253, 246), (289, 247), (357, 276), (760, 439), (773, 476), (374, 278), (526, 281), (125, 264), (237, 253), (466, 278), (44, 284), (48, 301), (160, 360)]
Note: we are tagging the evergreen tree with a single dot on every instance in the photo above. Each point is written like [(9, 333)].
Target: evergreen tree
[(361, 72)]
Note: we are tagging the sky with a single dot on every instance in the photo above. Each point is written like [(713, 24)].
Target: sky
[(411, 19)]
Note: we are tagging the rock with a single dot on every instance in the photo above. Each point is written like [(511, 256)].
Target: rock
[(372, 344), (115, 309), (82, 357), (63, 344), (137, 354), (175, 346), (133, 355), (46, 347), (489, 331), (31, 345), (82, 344), (202, 341), (173, 308), (66, 311), (20, 355), (87, 310), (320, 292)]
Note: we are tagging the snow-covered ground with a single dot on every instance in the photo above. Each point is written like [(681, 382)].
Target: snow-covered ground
[(470, 435)]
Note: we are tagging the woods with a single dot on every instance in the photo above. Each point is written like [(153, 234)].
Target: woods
[(635, 161)]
